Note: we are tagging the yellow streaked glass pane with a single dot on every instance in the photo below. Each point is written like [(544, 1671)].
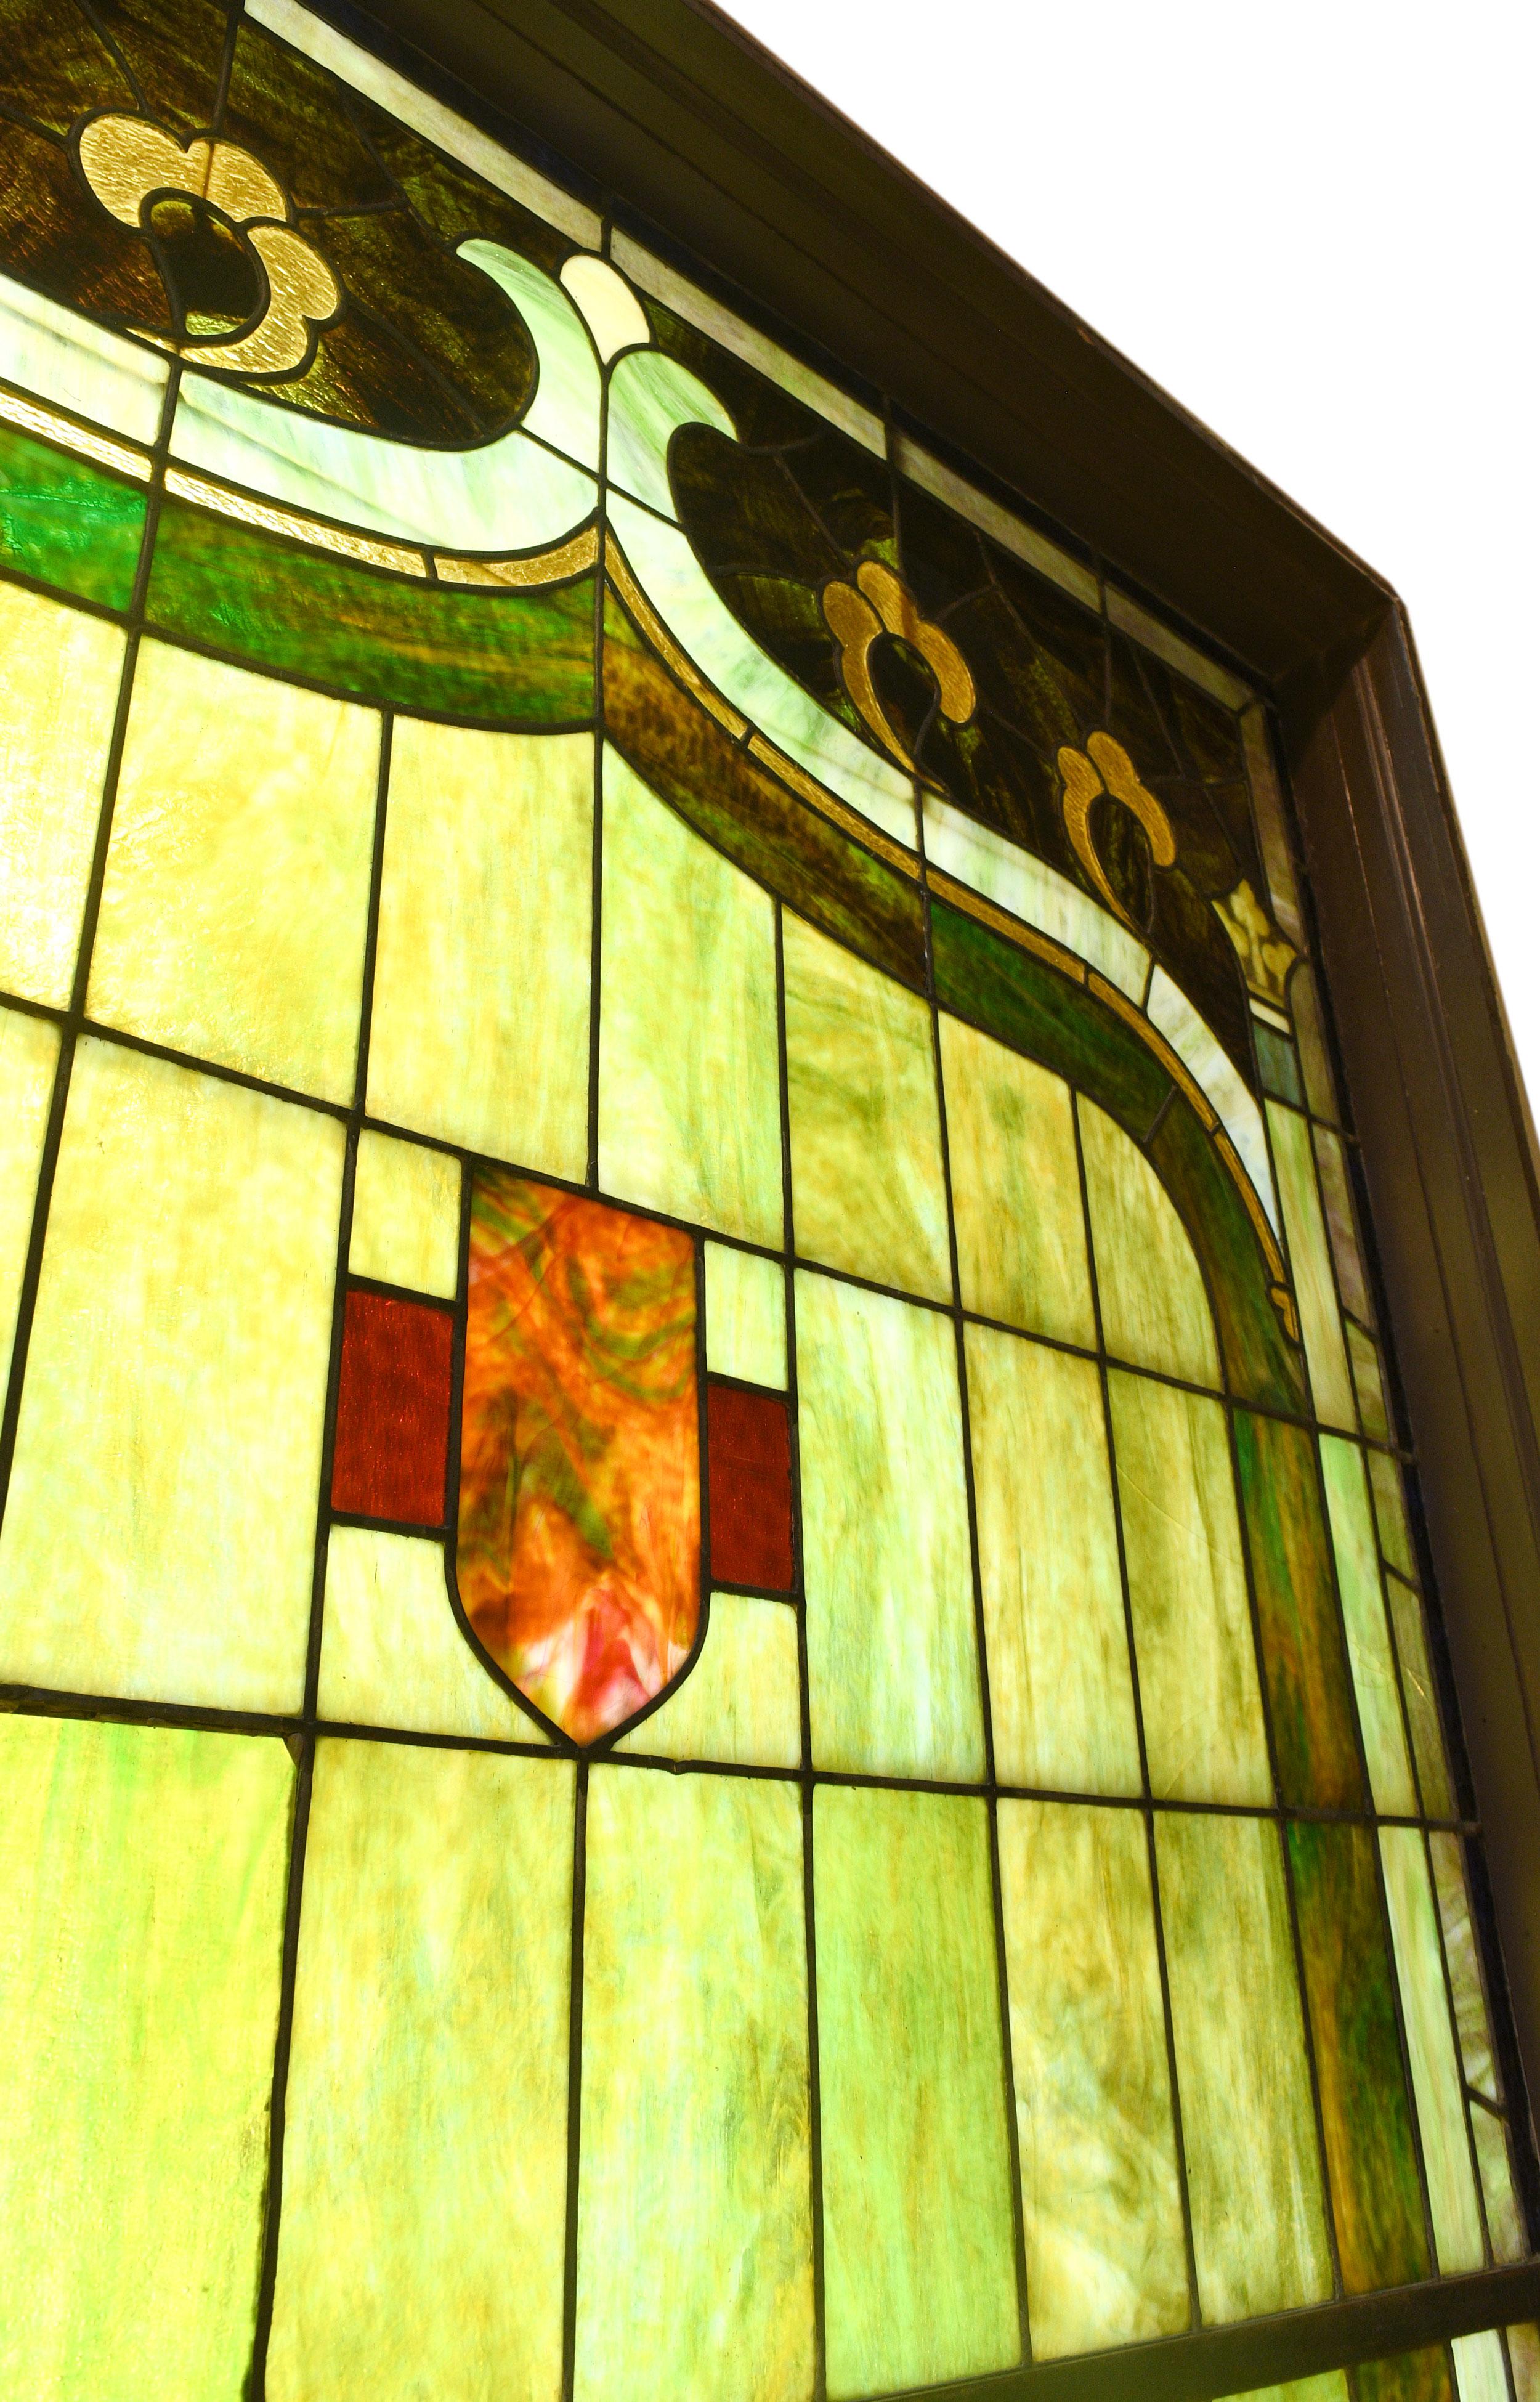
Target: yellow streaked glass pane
[(741, 1701), (1480, 2374), (1320, 1320), (1430, 2043), (141, 1885), (1155, 1311), (745, 1316), (29, 1055), (392, 1651), (159, 1533), (1369, 1652), (59, 679), (406, 1226), (425, 2144), (1015, 1189), (480, 1032), (694, 2205), (238, 878)]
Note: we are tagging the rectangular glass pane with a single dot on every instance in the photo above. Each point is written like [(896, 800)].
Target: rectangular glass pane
[(1430, 2042), (1464, 1969), (1390, 1513), (392, 1651), (1427, 1738), (29, 1055), (1319, 1320), (745, 1316), (1015, 1189), (1374, 1682), (1352, 1283), (1304, 1660), (58, 678), (1369, 1384), (1505, 2224), (1524, 2361), (1480, 2374), (742, 1700), (1406, 2377), (406, 1226)]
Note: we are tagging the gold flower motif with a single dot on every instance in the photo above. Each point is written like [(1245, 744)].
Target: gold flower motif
[(1105, 766), (1266, 956), (880, 602)]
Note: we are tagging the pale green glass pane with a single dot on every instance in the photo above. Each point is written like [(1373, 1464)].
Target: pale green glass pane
[(1061, 1695), (59, 679), (480, 1031), (54, 352), (867, 1190), (1015, 1189), (745, 1316), (1464, 1972), (1155, 1310), (689, 1076), (1101, 2202), (1430, 2041), (1000, 869), (425, 2145), (1368, 1382), (892, 1664), (141, 1884), (1337, 1200), (392, 1651), (742, 1700), (159, 1534), (1331, 2386), (695, 2208), (1248, 2123), (651, 398), (1370, 1653), (1390, 1513), (1204, 1736), (920, 2278), (29, 1055), (1427, 1739), (406, 1226), (1479, 2373), (1213, 1069), (237, 878), (1320, 1320), (1505, 2224), (1304, 1003)]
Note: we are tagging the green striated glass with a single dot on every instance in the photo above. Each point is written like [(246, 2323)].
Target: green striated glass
[(1430, 2042), (68, 523), (1331, 2386), (1390, 1513), (745, 1316), (1262, 1364), (1480, 2373), (689, 1076), (1368, 1382), (141, 1884), (1015, 1189), (1320, 1320), (1464, 1970), (1305, 1004), (59, 676), (1365, 2112), (1205, 1736), (1258, 2231), (1279, 1063), (694, 2234), (1505, 2222), (742, 1700), (1406, 2377), (425, 2144), (1310, 1696), (1061, 1695), (1331, 1163), (1428, 1737), (29, 1058), (1154, 1306), (919, 2273), (892, 1666), (406, 1222), (1374, 1682), (1101, 2200)]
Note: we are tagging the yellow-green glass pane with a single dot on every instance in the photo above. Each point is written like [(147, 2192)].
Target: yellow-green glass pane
[(1061, 1695), (741, 1701), (1464, 1970), (745, 1316), (1015, 1189), (392, 1651), (1335, 1198), (1304, 1003), (694, 2205), (29, 1055), (159, 1533), (406, 1227), (1524, 2360), (480, 1029), (142, 1885), (1368, 1382), (919, 2278), (1331, 2386), (1430, 2042), (1390, 1513), (1427, 1738), (1406, 2377), (1101, 2203), (425, 2144), (1205, 1736), (867, 1190), (1154, 1306), (1369, 1652), (1479, 2373), (238, 878), (1320, 1320), (59, 679), (1248, 2124), (689, 1075), (892, 1664), (1504, 2223)]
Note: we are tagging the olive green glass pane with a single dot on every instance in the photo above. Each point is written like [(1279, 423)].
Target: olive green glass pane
[(1368, 1382), (867, 1190), (1331, 2386), (237, 878), (1320, 1320), (1390, 1513), (1305, 1002), (1351, 1283), (392, 1651), (1406, 2377), (29, 1055), (1061, 1696), (480, 1028), (1427, 1739), (689, 1078), (406, 1226), (1430, 2042), (59, 679), (1359, 1581), (1303, 1656), (425, 2144), (142, 1882), (1464, 1970), (1205, 1736), (1524, 2360), (1155, 1310), (159, 1533), (919, 2276), (1248, 2124), (892, 1664), (1504, 2223), (1479, 2373), (694, 2202), (742, 1700), (1015, 1189), (1101, 2202), (745, 1316)]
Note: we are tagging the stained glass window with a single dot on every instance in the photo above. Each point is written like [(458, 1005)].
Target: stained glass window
[(717, 1675)]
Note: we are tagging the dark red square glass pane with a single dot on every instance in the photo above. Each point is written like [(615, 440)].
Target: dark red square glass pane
[(392, 1411), (749, 1450)]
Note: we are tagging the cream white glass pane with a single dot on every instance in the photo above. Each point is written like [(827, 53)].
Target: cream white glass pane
[(564, 409), (741, 1701), (1430, 2044), (1480, 2374), (392, 1651), (1015, 1189), (745, 1316), (1369, 1652), (406, 1226), (29, 1055), (1155, 1310), (1195, 1042), (159, 1534), (51, 350), (59, 679), (1032, 891), (1320, 1320), (608, 308)]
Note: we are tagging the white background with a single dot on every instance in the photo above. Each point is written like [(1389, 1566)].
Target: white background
[(1195, 180)]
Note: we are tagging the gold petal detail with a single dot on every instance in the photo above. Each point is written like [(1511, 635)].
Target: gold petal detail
[(1266, 956)]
